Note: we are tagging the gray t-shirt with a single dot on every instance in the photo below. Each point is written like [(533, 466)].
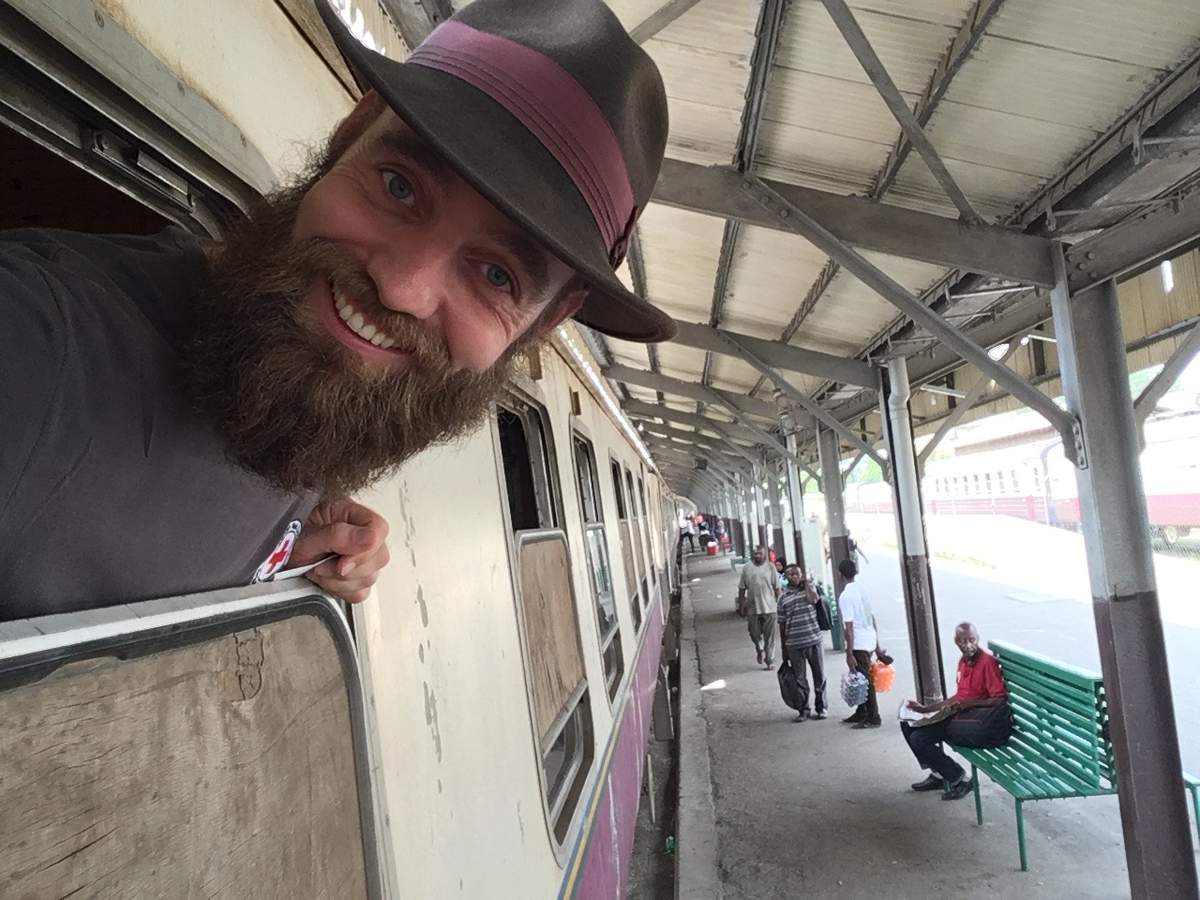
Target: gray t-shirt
[(759, 583), (111, 488)]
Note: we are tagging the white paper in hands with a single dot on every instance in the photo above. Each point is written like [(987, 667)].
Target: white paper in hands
[(917, 719)]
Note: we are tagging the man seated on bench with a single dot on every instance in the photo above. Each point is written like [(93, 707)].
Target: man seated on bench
[(977, 715)]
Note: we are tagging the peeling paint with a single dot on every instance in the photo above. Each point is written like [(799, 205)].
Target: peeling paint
[(424, 608), (250, 662), (421, 651), (431, 719), (520, 822)]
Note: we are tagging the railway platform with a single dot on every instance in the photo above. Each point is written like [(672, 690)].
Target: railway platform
[(821, 809)]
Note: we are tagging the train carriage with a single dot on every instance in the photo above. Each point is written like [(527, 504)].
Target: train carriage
[(488, 708)]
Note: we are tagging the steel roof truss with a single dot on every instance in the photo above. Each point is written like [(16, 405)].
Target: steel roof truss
[(1171, 370), (809, 405), (877, 72), (689, 389), (963, 405), (869, 224), (779, 354), (896, 294)]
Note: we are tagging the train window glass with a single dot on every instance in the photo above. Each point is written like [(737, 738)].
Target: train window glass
[(647, 528), (987, 482), (975, 485), (1016, 484), (625, 530), (531, 502), (548, 614), (1000, 482), (639, 538), (596, 548), (614, 666), (622, 513)]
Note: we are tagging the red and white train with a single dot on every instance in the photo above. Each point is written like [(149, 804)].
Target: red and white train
[(1034, 481)]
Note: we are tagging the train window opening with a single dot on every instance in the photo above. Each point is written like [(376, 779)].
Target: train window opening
[(625, 529), (648, 530), (638, 534), (596, 549), (42, 190), (548, 613)]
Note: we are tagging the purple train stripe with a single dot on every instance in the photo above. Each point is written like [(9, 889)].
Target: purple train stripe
[(599, 863)]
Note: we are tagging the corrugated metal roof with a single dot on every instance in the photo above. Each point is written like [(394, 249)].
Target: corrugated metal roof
[(1045, 81)]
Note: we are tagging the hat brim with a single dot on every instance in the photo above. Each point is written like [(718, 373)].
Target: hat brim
[(494, 153)]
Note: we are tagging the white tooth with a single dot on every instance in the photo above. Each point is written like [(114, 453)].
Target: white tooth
[(345, 313), (339, 303), (377, 339), (369, 332), (356, 321), (387, 343)]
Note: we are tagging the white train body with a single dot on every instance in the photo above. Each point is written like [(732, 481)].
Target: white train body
[(459, 672)]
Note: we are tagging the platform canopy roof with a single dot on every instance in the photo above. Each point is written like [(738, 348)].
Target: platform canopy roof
[(951, 142)]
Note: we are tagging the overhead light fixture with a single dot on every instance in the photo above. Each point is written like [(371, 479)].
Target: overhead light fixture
[(997, 352), (944, 391)]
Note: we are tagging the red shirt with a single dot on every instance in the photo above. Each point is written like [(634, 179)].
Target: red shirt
[(980, 679)]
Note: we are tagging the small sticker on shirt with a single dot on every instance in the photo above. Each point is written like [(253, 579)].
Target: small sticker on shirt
[(280, 555)]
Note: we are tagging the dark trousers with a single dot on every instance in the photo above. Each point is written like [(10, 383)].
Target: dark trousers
[(810, 655), (762, 633), (926, 745), (687, 537), (869, 710)]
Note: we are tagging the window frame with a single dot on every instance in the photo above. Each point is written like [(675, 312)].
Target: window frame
[(561, 806), (615, 470), (612, 662)]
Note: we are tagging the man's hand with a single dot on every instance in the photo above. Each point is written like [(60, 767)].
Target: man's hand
[(851, 662), (356, 534)]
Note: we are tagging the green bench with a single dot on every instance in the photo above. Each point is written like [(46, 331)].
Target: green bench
[(1060, 745)]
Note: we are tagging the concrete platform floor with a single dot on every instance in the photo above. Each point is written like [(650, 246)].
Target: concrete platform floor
[(820, 809)]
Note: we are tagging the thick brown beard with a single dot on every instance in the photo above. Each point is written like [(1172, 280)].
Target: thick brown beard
[(294, 405)]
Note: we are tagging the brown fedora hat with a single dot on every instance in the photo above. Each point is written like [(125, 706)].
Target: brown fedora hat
[(550, 110)]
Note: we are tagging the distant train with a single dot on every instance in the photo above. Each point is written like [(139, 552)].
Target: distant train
[(1034, 481)]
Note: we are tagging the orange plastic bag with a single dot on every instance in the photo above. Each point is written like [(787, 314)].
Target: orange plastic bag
[(882, 676)]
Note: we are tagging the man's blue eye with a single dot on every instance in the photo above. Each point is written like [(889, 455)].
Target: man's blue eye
[(497, 277), (398, 186)]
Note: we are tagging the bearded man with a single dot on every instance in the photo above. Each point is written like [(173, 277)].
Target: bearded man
[(181, 417)]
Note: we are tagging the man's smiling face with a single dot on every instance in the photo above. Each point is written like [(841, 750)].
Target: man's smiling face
[(433, 256), (365, 313)]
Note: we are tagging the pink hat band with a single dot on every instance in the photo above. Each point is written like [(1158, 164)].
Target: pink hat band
[(556, 110)]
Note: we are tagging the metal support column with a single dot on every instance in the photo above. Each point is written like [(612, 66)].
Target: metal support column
[(1133, 658), (796, 500), (760, 508), (835, 516), (775, 516), (920, 610), (747, 506)]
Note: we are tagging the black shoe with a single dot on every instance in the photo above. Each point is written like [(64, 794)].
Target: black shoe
[(959, 790), (800, 718), (852, 720), (818, 715), (759, 652), (932, 783), (868, 723)]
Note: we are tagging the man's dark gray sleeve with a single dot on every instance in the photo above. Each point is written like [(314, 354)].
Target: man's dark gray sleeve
[(33, 352)]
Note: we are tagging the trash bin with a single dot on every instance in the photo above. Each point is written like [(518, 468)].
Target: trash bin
[(711, 548)]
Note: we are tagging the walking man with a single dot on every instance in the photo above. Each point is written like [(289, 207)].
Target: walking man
[(980, 687), (861, 639), (758, 596), (800, 634)]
